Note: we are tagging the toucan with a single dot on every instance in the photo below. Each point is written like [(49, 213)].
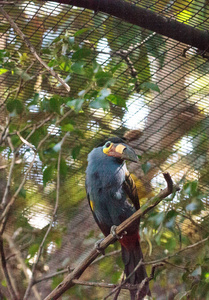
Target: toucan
[(113, 197)]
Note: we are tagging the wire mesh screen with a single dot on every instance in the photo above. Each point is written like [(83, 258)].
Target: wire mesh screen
[(124, 81)]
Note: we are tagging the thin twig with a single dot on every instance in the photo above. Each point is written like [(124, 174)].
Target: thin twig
[(12, 200), (33, 50), (105, 285), (68, 281), (16, 251), (139, 294), (7, 188), (25, 140), (40, 250), (67, 270), (125, 55), (6, 273), (6, 2), (140, 263), (164, 259), (5, 130)]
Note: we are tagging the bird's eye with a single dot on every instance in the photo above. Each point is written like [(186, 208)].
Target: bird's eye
[(107, 145)]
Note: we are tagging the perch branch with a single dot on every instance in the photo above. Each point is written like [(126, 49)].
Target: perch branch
[(33, 50), (68, 281)]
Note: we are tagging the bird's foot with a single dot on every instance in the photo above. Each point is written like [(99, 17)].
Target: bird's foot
[(98, 248), (115, 235)]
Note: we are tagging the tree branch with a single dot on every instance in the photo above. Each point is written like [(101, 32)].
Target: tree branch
[(7, 188), (6, 273), (15, 250), (145, 18), (118, 287), (40, 250), (67, 270), (3, 216), (139, 294), (33, 50), (68, 281)]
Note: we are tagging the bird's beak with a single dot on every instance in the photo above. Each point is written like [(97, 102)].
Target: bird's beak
[(123, 152)]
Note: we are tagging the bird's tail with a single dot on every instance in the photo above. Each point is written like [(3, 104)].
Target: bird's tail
[(131, 255)]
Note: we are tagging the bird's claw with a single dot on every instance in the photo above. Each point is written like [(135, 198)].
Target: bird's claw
[(98, 248), (115, 235)]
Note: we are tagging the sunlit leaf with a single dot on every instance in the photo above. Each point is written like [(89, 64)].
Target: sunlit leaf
[(100, 103), (67, 127), (75, 104), (150, 86), (117, 100), (2, 71), (81, 31)]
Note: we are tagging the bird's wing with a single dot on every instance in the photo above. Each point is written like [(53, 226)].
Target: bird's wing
[(130, 189), (92, 209), (98, 217)]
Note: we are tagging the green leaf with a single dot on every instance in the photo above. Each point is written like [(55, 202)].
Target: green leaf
[(190, 188), (22, 74), (22, 193), (33, 249), (96, 67), (117, 100), (76, 151), (146, 167), (104, 79), (81, 53), (65, 64), (149, 86), (75, 104), (4, 283), (57, 147), (67, 127), (100, 103), (48, 174), (15, 107), (55, 104), (116, 67), (78, 67), (2, 71), (35, 99), (63, 167), (197, 271), (81, 31), (56, 281)]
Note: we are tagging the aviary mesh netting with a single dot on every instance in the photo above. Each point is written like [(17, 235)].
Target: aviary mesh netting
[(126, 81)]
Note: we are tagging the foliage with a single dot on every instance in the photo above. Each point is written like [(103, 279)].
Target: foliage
[(39, 113)]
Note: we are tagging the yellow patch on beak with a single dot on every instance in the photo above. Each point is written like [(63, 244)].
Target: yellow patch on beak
[(92, 205), (119, 148)]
